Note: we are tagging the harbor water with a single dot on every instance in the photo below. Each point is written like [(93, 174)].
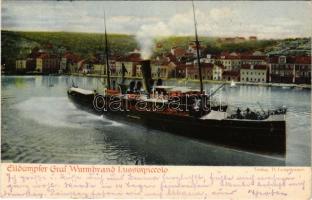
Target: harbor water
[(41, 125)]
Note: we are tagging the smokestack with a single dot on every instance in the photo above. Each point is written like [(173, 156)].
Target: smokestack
[(147, 74)]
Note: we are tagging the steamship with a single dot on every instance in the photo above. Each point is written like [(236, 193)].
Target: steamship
[(185, 111)]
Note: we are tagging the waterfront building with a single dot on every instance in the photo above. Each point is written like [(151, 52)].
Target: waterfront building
[(253, 73), (20, 65), (164, 68), (217, 71), (98, 68), (207, 70), (84, 66), (167, 70), (68, 62), (229, 62), (131, 63), (47, 63), (234, 61), (290, 69), (30, 64), (181, 70), (25, 65), (192, 71), (155, 66), (233, 75), (167, 66), (63, 64), (253, 59)]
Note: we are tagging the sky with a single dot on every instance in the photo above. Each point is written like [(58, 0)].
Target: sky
[(264, 19)]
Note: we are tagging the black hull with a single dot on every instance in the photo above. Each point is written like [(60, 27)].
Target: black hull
[(259, 136), (84, 100), (250, 135)]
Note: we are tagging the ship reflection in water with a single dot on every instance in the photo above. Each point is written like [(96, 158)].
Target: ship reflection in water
[(41, 125)]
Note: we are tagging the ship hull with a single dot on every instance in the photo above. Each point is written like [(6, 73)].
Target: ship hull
[(84, 100), (252, 135)]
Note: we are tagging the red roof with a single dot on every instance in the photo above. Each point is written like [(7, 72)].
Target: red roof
[(303, 59), (259, 67), (206, 65), (71, 57), (252, 57), (160, 62), (178, 51), (202, 65), (181, 66), (230, 57), (273, 59), (230, 73), (293, 59), (172, 58), (245, 66), (133, 57)]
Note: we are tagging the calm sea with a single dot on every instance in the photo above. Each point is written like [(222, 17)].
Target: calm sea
[(40, 125)]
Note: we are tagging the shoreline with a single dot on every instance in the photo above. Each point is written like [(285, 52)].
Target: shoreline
[(282, 85)]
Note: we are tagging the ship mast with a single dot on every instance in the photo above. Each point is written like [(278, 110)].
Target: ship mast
[(106, 55), (197, 51)]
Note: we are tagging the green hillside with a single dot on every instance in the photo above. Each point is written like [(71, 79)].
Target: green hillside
[(19, 44), (82, 43), (212, 45)]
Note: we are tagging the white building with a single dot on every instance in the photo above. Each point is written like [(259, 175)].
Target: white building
[(217, 72), (98, 68), (253, 73), (20, 65), (63, 64), (234, 61)]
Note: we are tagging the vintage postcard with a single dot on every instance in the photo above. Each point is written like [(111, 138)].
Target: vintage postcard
[(156, 99)]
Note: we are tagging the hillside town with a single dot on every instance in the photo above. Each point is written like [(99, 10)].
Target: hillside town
[(282, 64)]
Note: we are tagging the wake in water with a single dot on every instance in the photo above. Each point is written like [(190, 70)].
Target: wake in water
[(59, 112)]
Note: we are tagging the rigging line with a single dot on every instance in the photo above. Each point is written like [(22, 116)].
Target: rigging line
[(106, 53), (197, 50), (195, 22)]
